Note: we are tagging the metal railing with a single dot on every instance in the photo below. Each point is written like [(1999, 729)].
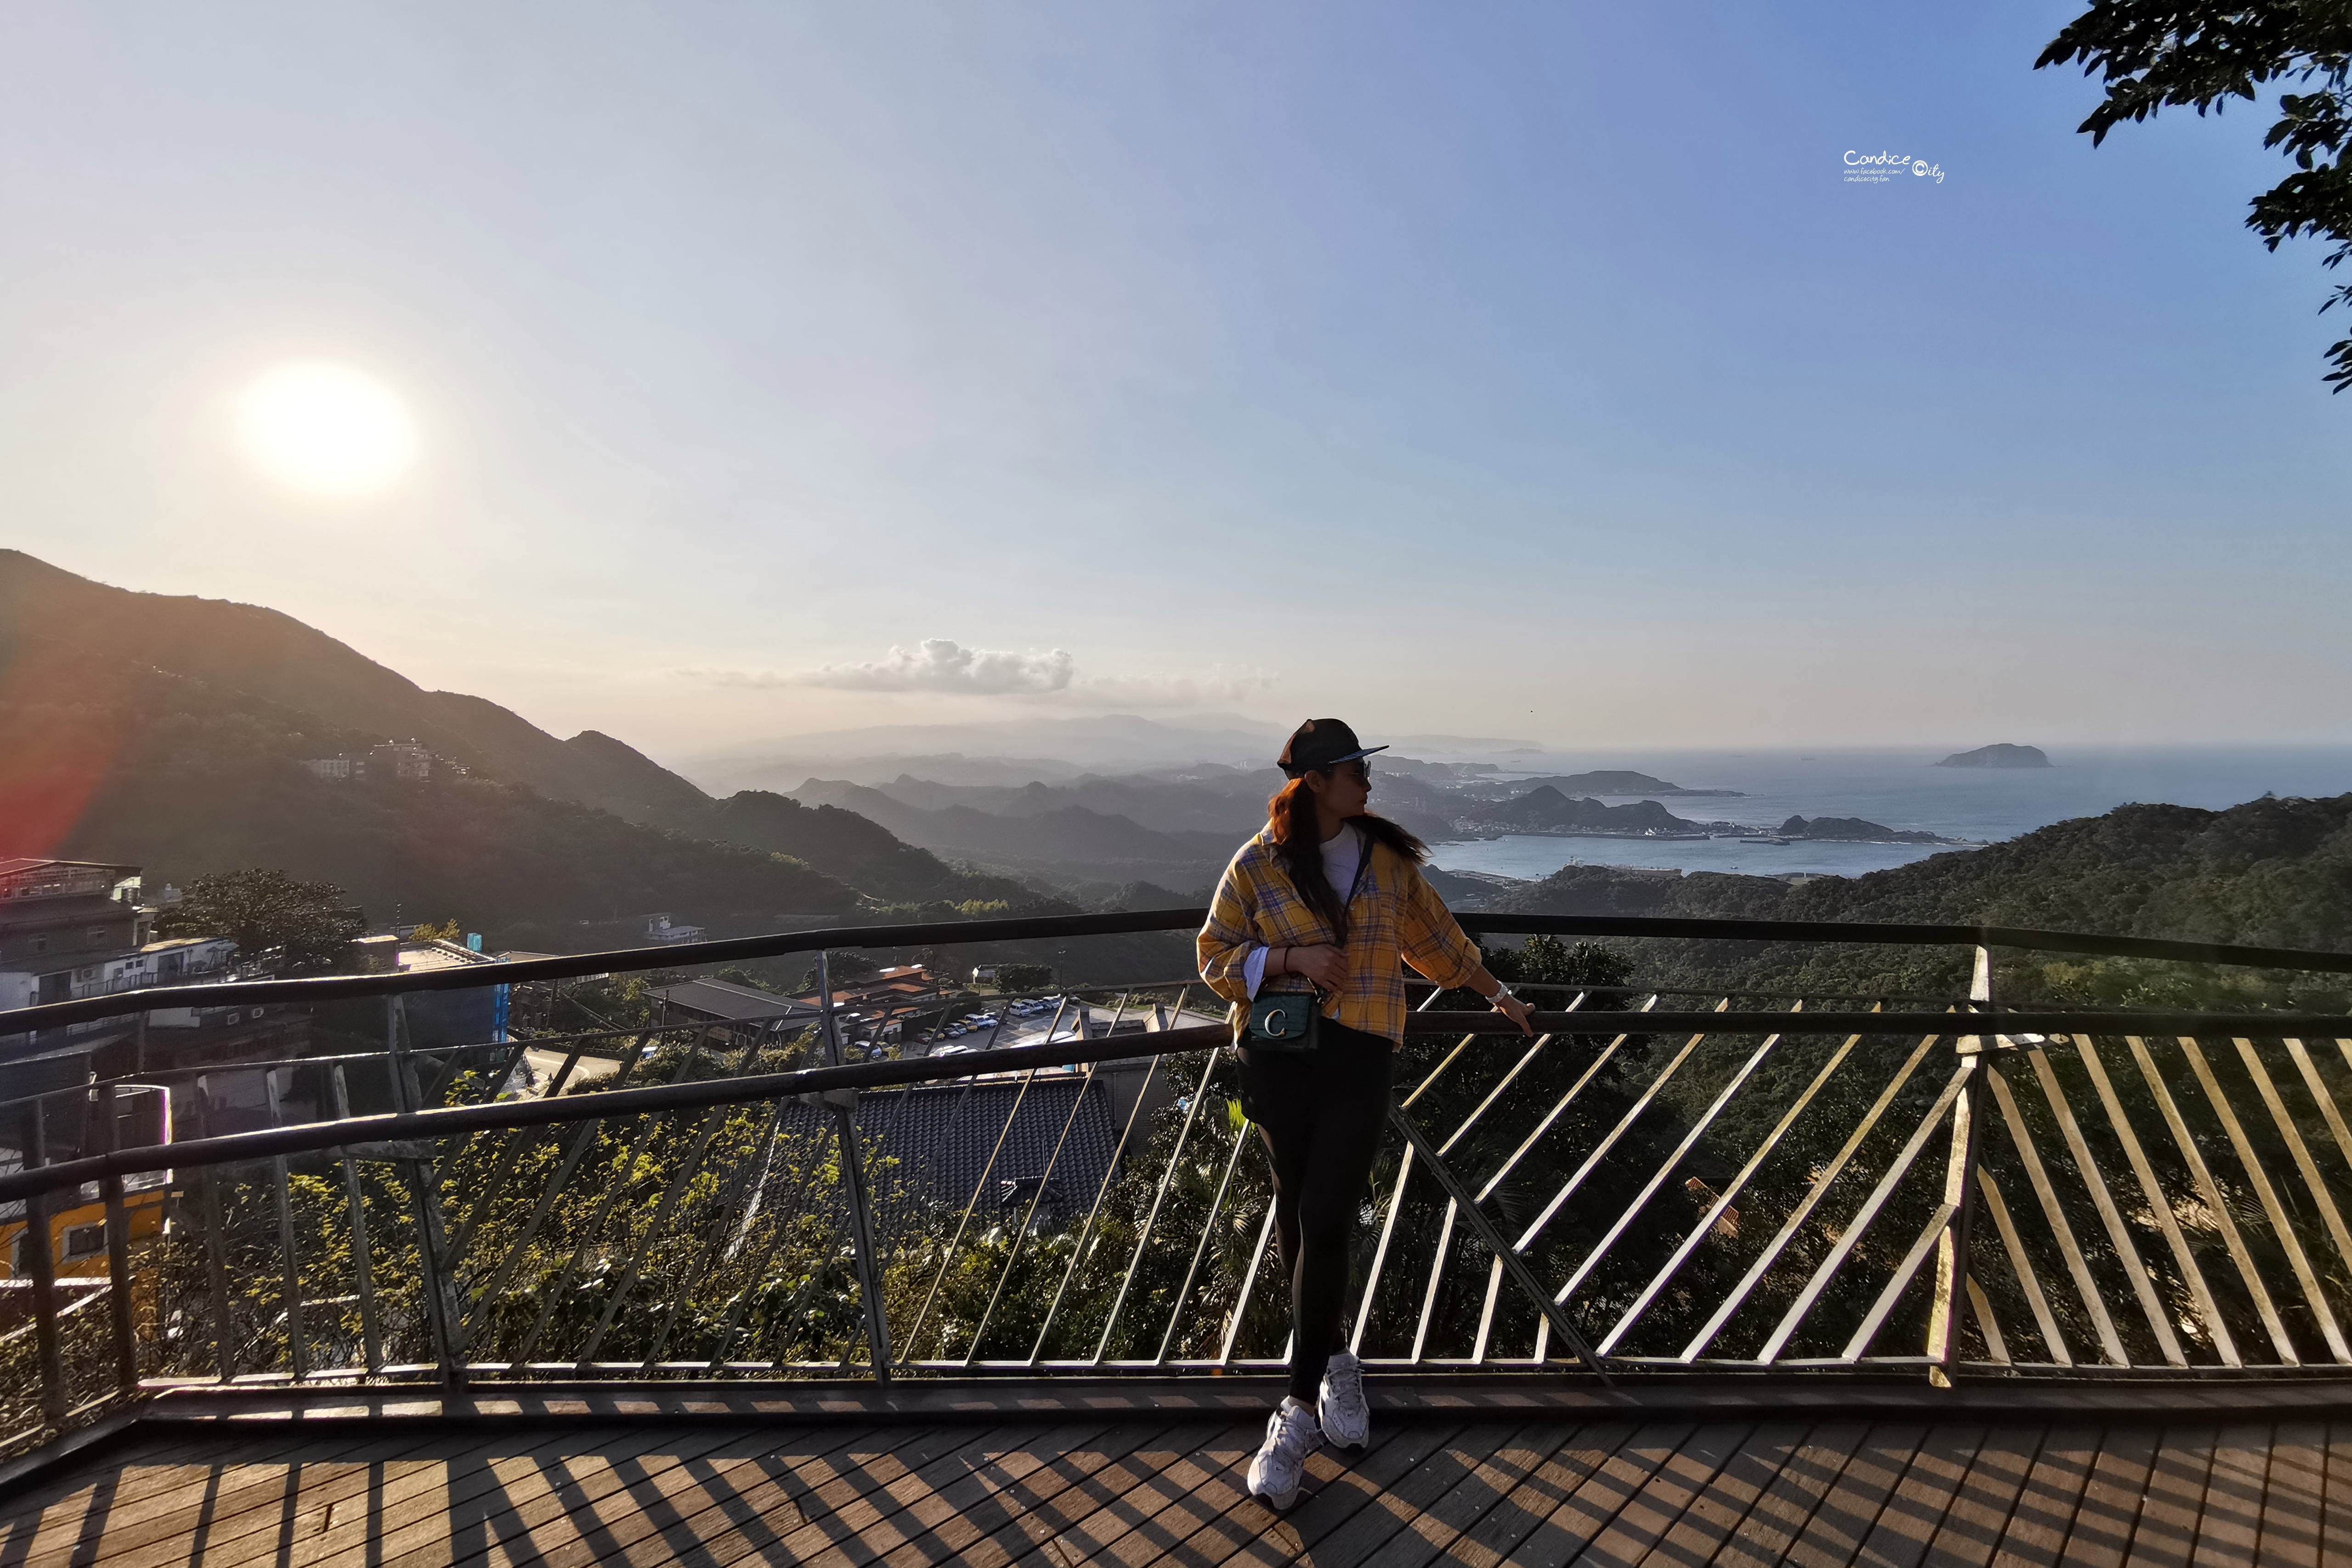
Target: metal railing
[(1644, 1187)]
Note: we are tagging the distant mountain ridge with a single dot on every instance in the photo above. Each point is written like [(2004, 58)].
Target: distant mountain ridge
[(245, 648)]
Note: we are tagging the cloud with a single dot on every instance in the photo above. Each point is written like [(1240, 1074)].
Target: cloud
[(940, 664), (937, 664)]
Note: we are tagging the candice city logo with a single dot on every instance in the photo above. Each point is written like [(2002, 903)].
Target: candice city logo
[(1883, 168)]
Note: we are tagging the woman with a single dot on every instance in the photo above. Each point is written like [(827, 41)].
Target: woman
[(1327, 898)]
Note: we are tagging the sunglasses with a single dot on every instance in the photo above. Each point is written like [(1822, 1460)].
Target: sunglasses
[(1360, 769)]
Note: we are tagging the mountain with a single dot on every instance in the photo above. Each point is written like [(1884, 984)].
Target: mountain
[(1997, 756), (1853, 830), (1545, 810), (121, 762), (272, 656), (2270, 873), (1058, 833), (1124, 740)]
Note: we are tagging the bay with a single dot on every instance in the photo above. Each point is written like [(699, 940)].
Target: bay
[(1894, 787)]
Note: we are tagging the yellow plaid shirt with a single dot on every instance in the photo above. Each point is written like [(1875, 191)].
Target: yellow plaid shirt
[(1397, 914)]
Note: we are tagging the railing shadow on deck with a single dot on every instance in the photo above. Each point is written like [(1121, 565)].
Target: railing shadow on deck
[(1649, 1187)]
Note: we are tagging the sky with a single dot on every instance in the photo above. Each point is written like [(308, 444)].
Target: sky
[(1533, 370)]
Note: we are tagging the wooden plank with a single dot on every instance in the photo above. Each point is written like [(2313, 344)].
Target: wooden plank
[(850, 1510), (1915, 1509), (2230, 1527), (2108, 1510), (141, 1469), (958, 1519), (2336, 1518), (1715, 1515), (2293, 1498), (1023, 1535), (1668, 1494), (1403, 1503), (1780, 1515), (1170, 1507), (1593, 1506), (1971, 1527), (1252, 1533), (1512, 1463), (2044, 1512), (1525, 1508), (130, 1504), (726, 1503), (258, 1511), (507, 1505), (2166, 1534), (1848, 1510), (1118, 1499)]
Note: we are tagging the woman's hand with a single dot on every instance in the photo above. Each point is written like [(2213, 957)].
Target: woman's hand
[(1323, 964), (1516, 1009)]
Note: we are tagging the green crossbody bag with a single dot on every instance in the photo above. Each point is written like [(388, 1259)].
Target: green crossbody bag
[(1292, 1020)]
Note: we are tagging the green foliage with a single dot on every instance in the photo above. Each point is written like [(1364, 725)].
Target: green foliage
[(843, 963), (1012, 977), (2166, 53), (300, 927), (447, 930)]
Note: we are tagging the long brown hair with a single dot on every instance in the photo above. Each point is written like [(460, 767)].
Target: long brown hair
[(1291, 815)]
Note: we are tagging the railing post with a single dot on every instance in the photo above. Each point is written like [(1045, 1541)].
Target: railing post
[(118, 1254), (425, 1195), (853, 1165), (44, 1279), (1948, 1312), (297, 1347)]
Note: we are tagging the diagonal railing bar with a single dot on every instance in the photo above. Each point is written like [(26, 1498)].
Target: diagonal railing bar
[(1551, 1312), (1029, 1215), (2321, 1096), (1439, 1257), (2152, 1307), (689, 1168), (963, 1221), (1817, 1190), (510, 1154), (1939, 1225), (1505, 1082), (1201, 1249), (739, 1196), (1249, 1284), (2037, 1176), (2160, 1206), (2291, 1136), (1667, 1168), (1850, 1236), (1980, 1309), (2258, 1179), (1381, 1250), (1094, 1210), (1158, 1199), (1724, 1199), (1608, 1141), (2029, 1279), (1558, 1109), (1463, 1044), (2192, 1155)]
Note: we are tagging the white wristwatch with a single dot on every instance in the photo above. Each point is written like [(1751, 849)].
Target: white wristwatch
[(1500, 995)]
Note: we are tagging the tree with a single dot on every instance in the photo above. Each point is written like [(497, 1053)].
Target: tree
[(298, 928), (447, 930), (1012, 977), (2198, 54), (841, 963)]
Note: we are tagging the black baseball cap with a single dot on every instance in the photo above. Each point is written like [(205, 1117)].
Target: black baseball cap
[(1321, 743)]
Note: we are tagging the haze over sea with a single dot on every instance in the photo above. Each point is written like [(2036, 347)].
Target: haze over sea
[(1897, 789)]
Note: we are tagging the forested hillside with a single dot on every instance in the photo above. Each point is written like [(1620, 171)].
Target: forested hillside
[(2270, 872)]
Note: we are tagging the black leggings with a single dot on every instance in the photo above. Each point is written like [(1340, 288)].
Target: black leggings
[(1321, 1116)]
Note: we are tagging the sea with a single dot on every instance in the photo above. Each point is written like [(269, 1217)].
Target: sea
[(1900, 789)]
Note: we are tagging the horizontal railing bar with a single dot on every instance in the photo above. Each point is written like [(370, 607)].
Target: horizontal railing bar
[(235, 1148), (341, 988), (503, 1115)]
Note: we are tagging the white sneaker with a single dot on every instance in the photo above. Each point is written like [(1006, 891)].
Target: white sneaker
[(1345, 1419), (1291, 1435)]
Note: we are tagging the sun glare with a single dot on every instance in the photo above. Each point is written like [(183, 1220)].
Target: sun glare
[(326, 430)]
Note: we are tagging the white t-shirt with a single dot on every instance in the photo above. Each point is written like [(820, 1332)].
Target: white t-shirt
[(1342, 853)]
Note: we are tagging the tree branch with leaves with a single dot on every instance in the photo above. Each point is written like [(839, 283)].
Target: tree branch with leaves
[(2163, 53)]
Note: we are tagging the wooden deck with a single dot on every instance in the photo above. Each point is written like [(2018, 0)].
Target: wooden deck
[(1650, 1491)]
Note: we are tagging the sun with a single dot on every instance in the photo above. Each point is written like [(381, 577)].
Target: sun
[(326, 430)]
